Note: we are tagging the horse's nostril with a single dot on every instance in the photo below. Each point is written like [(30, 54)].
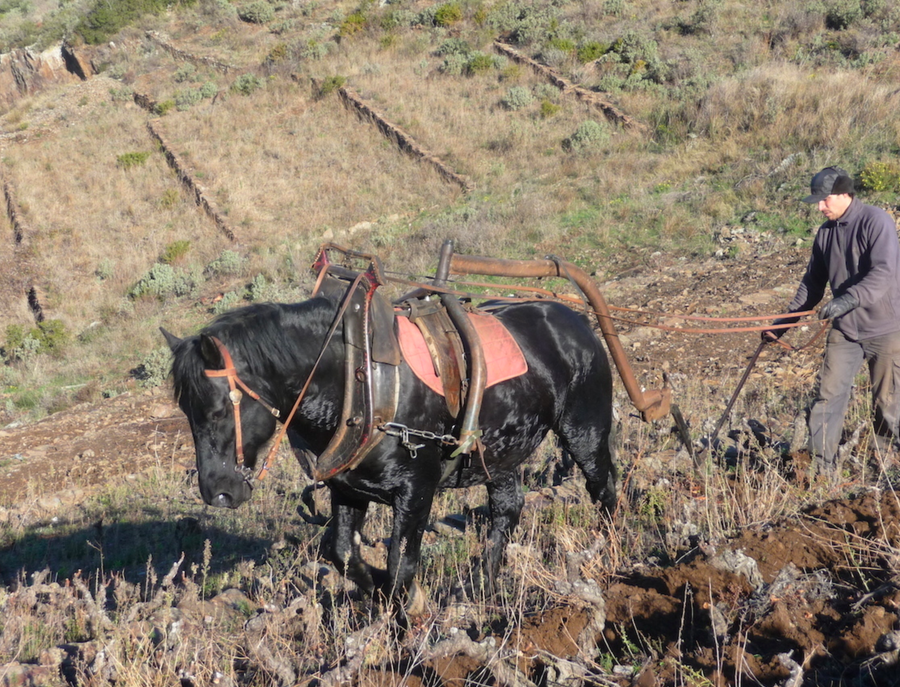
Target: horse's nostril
[(222, 501)]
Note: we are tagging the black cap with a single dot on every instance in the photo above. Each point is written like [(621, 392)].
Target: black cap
[(831, 180)]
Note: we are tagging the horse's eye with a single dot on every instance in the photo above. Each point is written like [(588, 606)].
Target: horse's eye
[(219, 413)]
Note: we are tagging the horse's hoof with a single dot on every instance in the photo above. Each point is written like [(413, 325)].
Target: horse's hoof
[(416, 600)]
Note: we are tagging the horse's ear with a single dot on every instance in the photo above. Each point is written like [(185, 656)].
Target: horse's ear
[(171, 339), (210, 352)]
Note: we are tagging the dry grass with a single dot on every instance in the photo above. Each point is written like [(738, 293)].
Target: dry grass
[(303, 169)]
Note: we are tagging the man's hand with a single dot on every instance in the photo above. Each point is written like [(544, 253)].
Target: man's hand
[(769, 335), (839, 306)]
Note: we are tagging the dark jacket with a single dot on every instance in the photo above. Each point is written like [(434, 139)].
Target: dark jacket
[(858, 254)]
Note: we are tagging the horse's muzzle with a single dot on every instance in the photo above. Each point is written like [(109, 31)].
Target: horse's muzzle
[(225, 501)]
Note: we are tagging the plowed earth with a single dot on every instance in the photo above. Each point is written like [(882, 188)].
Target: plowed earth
[(812, 600)]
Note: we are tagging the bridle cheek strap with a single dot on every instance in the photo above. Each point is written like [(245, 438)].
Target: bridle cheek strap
[(235, 395)]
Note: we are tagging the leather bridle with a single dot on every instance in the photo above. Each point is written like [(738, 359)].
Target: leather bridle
[(235, 395)]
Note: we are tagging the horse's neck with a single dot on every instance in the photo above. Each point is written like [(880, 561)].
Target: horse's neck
[(320, 370)]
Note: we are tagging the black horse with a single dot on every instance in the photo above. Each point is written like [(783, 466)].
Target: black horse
[(567, 389)]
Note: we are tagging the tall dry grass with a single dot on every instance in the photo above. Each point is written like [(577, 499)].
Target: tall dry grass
[(171, 590), (305, 170)]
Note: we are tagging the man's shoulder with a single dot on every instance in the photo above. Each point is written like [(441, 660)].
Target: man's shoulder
[(874, 212)]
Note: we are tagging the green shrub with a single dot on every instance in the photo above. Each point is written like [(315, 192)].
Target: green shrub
[(517, 98), (278, 53), (129, 160), (257, 12), (880, 176), (589, 134), (352, 24), (49, 336), (246, 84), (478, 62), (331, 83), (549, 108), (163, 108), (108, 17), (169, 199), (448, 14), (566, 45), (175, 251), (591, 51), (840, 14)]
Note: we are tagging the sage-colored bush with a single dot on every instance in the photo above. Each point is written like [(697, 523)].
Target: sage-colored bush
[(246, 84), (840, 14), (588, 135), (228, 263), (257, 12), (163, 281), (154, 369), (516, 98)]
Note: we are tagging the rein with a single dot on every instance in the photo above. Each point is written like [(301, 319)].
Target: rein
[(546, 294), (235, 395)]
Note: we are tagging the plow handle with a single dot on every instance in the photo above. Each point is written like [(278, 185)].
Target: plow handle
[(653, 404)]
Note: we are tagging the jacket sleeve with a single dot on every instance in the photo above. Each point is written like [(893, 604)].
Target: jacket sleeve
[(812, 286), (882, 257)]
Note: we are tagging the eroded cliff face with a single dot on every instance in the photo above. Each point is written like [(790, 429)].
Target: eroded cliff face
[(25, 71)]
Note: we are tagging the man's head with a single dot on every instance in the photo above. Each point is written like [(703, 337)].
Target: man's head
[(832, 190)]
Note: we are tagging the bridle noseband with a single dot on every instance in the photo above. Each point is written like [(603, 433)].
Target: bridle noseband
[(235, 395)]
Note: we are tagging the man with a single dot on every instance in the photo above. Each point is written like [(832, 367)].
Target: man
[(857, 253)]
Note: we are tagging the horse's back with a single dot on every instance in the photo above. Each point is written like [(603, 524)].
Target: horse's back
[(555, 336)]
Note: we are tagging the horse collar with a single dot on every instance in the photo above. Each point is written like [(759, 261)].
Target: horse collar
[(235, 396)]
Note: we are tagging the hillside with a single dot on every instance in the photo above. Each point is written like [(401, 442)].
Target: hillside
[(193, 159)]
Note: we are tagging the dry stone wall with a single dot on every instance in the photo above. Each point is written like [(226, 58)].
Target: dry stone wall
[(610, 111), (189, 182), (403, 140), (18, 273), (180, 54)]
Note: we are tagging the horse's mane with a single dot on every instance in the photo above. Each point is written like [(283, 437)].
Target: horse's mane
[(264, 336)]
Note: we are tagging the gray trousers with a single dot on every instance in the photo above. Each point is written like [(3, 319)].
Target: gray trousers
[(843, 359)]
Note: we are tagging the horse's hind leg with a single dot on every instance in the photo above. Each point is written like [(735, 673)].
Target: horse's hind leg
[(586, 432), (506, 501)]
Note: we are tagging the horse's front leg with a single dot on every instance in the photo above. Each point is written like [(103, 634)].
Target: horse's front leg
[(348, 517), (411, 507)]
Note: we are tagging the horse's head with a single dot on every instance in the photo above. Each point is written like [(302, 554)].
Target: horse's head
[(213, 387)]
